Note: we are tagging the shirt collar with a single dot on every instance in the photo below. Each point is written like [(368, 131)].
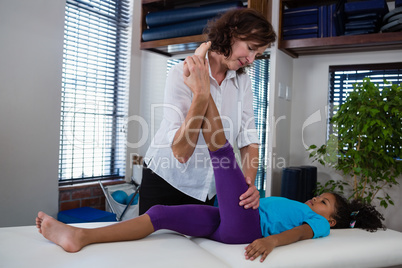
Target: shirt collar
[(229, 74)]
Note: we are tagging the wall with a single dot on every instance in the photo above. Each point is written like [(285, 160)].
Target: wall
[(279, 115), (84, 195), (31, 33), (279, 120), (153, 81), (308, 112), (147, 84), (72, 197), (135, 87)]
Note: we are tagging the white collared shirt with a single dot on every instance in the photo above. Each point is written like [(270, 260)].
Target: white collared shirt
[(234, 101)]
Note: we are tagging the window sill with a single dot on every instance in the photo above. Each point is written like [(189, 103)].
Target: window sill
[(83, 184)]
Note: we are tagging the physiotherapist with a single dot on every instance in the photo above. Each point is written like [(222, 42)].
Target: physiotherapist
[(177, 167)]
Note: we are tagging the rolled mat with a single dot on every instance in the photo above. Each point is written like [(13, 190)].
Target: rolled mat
[(175, 30), (299, 183), (172, 16), (291, 183), (310, 180)]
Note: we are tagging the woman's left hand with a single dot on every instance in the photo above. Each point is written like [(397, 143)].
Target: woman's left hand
[(251, 198)]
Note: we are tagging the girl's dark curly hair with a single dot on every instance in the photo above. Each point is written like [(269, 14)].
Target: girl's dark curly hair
[(245, 24), (367, 218)]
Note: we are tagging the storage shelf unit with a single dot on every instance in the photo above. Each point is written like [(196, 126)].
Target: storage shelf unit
[(337, 44), (186, 44)]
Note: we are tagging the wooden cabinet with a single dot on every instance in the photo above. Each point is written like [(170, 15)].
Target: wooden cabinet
[(337, 44), (186, 44)]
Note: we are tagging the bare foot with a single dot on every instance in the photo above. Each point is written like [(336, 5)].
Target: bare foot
[(201, 51), (66, 236)]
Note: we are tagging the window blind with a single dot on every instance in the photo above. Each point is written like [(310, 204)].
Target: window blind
[(94, 89), (343, 77), (171, 63), (259, 74)]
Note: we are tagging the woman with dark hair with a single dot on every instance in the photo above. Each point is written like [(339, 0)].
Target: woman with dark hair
[(177, 167)]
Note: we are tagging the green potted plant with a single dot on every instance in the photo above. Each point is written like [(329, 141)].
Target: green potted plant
[(366, 143)]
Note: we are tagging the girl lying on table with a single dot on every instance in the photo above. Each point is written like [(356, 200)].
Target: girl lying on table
[(278, 221)]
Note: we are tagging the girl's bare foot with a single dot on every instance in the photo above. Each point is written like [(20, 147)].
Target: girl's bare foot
[(201, 52), (203, 49), (68, 237)]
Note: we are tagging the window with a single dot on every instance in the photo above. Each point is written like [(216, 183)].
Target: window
[(343, 77), (94, 89), (259, 74)]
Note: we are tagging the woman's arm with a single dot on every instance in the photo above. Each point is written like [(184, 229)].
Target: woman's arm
[(249, 155), (196, 77), (264, 246), (186, 137)]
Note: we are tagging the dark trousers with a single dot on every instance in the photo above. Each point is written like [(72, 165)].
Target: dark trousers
[(156, 191)]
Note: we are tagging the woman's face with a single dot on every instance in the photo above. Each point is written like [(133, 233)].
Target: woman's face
[(243, 54)]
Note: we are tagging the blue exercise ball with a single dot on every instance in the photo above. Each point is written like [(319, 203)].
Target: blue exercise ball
[(120, 196), (135, 201)]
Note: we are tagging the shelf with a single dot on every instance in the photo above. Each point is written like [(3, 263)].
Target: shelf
[(336, 44), (342, 44), (174, 46), (187, 44)]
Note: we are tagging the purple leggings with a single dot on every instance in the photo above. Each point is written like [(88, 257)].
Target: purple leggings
[(230, 223)]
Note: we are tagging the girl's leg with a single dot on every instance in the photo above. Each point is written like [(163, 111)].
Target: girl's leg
[(238, 225), (192, 220), (230, 223), (212, 128), (73, 239)]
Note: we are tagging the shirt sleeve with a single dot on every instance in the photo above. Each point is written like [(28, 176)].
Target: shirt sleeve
[(319, 225), (248, 133), (177, 101)]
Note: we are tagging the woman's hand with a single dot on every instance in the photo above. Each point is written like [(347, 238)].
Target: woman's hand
[(260, 247), (251, 198), (196, 71), (249, 156)]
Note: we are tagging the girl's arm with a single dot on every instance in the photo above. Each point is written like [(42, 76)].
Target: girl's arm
[(264, 246)]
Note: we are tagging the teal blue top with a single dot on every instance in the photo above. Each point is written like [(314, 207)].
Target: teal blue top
[(278, 214)]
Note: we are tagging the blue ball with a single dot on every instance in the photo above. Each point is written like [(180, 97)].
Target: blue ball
[(135, 201), (120, 196)]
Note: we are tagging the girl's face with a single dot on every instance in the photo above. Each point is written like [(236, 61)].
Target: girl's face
[(243, 54), (323, 205)]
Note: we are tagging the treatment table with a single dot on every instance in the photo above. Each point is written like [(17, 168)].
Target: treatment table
[(25, 247)]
